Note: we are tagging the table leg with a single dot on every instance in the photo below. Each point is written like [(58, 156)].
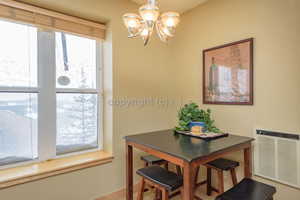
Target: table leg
[(129, 172), (248, 162), (188, 181)]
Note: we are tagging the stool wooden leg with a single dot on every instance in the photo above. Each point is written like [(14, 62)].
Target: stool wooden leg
[(141, 190), (196, 175), (220, 181), (208, 192), (233, 176), (157, 194), (165, 194), (178, 169), (167, 166), (146, 164)]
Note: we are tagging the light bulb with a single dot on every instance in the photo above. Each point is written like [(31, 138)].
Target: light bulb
[(170, 22), (170, 19), (131, 20), (133, 23), (149, 16), (166, 31), (163, 37), (149, 13), (145, 32)]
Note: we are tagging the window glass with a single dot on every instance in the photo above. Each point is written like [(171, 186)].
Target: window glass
[(22, 52), (18, 55), (76, 122), (75, 61), (76, 111), (18, 127)]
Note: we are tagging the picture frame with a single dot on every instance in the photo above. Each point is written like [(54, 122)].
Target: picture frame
[(228, 74)]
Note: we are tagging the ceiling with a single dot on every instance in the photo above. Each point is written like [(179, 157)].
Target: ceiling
[(180, 6)]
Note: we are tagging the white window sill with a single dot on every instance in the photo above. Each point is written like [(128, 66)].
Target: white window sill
[(19, 175)]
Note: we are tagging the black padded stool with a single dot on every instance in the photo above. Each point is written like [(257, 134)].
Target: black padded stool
[(163, 180), (249, 189), (153, 160), (220, 165)]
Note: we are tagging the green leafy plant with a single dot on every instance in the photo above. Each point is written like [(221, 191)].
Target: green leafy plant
[(192, 113)]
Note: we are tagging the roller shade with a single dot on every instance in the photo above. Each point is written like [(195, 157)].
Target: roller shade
[(20, 12)]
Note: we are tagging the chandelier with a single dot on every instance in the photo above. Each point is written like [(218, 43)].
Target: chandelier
[(143, 25)]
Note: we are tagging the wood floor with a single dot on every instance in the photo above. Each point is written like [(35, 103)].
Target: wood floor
[(201, 191), (121, 195), (283, 192)]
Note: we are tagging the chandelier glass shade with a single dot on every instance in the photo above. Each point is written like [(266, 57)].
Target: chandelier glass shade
[(143, 25)]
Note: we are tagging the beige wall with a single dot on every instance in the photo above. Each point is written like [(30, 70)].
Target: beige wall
[(138, 72), (275, 25), (175, 70)]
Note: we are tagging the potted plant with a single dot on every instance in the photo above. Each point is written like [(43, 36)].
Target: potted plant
[(191, 115)]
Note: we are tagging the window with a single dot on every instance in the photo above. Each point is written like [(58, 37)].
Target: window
[(76, 96), (50, 94)]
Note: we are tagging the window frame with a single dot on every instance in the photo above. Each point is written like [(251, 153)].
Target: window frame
[(46, 93)]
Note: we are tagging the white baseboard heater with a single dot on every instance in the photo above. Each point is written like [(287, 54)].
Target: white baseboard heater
[(277, 157)]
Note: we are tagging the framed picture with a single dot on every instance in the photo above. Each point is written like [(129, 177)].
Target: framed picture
[(228, 74)]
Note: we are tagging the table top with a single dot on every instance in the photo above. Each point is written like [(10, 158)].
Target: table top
[(185, 147)]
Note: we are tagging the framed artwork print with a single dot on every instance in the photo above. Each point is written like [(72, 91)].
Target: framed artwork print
[(228, 74)]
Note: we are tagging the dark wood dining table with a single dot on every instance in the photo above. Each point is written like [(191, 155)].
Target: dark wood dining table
[(184, 151)]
